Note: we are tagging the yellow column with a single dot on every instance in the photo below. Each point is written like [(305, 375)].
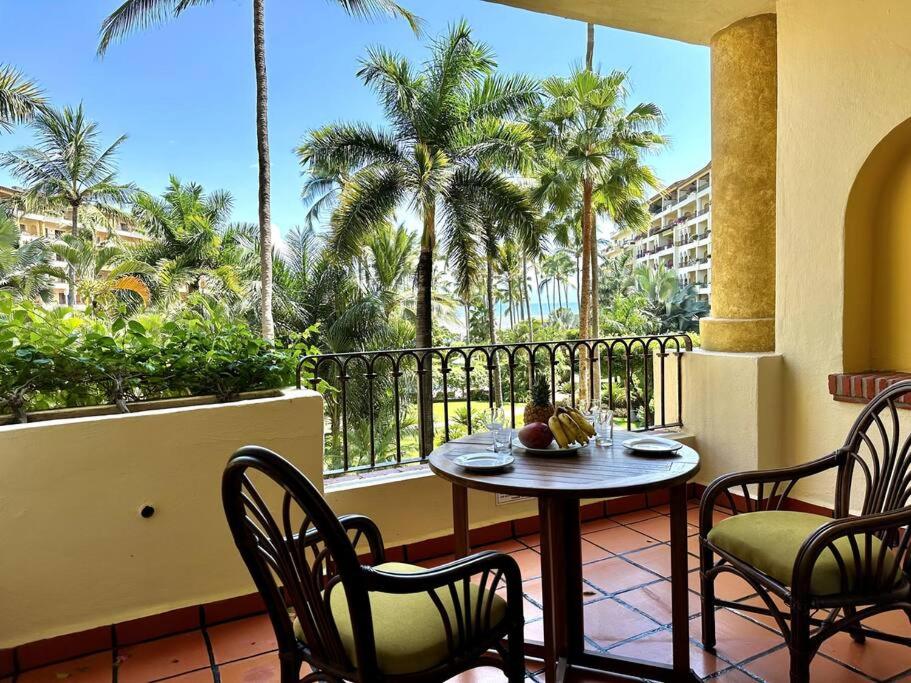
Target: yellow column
[(744, 131)]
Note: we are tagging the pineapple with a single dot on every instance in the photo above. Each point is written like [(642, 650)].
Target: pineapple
[(539, 409)]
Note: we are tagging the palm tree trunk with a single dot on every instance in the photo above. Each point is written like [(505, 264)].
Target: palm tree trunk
[(531, 321), (586, 293), (492, 335), (467, 323), (262, 148), (534, 271), (527, 297), (596, 297), (595, 304), (70, 268), (590, 47), (578, 286), (547, 289), (424, 328), (512, 313)]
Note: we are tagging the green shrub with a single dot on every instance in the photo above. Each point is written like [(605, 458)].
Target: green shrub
[(63, 358)]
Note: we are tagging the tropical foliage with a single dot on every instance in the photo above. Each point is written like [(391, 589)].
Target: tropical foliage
[(20, 98), (22, 265), (69, 168), (590, 164), (62, 358), (471, 215), (135, 15), (450, 144)]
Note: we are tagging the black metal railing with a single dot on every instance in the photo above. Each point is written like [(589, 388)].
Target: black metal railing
[(391, 407)]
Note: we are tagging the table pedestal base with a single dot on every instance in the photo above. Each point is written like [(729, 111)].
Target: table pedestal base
[(561, 576), (610, 664)]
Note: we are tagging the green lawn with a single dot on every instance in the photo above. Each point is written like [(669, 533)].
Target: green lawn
[(477, 408)]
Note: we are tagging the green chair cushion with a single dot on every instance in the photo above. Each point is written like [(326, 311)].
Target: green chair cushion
[(770, 541), (408, 628)]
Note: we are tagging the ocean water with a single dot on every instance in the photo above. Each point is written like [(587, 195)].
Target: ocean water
[(536, 309)]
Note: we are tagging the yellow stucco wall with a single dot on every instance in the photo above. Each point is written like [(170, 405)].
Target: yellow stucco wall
[(843, 85), (732, 407), (416, 508), (75, 552)]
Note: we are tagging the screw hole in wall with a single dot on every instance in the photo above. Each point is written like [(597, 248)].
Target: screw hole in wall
[(146, 511)]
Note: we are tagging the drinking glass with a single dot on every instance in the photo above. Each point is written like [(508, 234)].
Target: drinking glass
[(495, 418), (502, 439), (604, 427)]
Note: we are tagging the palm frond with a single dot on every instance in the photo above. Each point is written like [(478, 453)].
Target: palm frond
[(20, 98), (371, 9), (131, 283), (138, 15), (368, 199), (346, 147)]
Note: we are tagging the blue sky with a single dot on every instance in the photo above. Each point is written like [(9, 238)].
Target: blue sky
[(184, 92)]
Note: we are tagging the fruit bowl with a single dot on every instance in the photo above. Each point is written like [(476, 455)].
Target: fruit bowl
[(552, 450)]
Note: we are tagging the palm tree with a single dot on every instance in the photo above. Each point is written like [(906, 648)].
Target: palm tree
[(102, 271), (583, 127), (20, 98), (676, 307), (389, 255), (22, 264), (568, 239), (135, 15), (509, 268), (616, 275), (68, 168), (557, 269), (447, 152), (186, 249)]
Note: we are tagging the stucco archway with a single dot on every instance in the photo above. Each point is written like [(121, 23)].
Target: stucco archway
[(877, 305)]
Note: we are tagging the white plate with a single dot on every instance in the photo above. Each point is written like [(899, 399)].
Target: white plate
[(484, 462), (652, 444), (553, 449)]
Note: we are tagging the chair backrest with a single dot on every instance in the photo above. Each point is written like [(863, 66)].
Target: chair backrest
[(877, 456), (297, 552)]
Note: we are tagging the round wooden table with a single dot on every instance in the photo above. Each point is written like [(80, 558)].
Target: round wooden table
[(559, 484)]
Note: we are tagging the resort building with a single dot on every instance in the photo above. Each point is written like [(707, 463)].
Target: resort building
[(680, 235), (51, 227)]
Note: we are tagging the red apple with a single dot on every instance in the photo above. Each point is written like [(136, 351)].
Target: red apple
[(536, 435)]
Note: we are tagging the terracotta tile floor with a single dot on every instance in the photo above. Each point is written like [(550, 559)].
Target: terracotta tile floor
[(627, 612)]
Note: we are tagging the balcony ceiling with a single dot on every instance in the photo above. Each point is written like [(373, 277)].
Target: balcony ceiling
[(694, 21)]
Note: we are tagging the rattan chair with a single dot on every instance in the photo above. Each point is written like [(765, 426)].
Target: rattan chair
[(354, 621), (831, 573)]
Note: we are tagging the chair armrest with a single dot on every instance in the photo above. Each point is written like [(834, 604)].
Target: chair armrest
[(787, 475), (489, 561), (363, 527), (870, 568), (470, 615)]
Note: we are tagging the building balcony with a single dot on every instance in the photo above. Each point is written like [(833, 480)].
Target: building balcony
[(155, 589), (166, 533)]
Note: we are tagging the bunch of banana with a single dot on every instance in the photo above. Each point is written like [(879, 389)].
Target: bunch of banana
[(570, 426)]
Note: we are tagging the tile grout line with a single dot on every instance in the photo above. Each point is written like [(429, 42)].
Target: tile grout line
[(616, 597)]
